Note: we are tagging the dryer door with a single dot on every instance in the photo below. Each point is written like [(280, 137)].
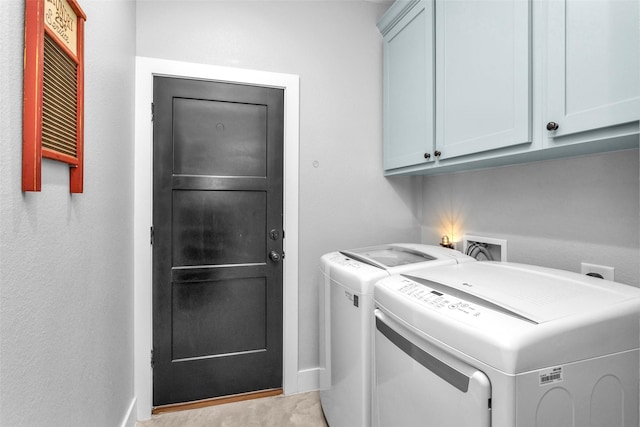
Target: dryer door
[(420, 385)]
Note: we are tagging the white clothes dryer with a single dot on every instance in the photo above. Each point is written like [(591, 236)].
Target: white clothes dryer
[(505, 345), (346, 321)]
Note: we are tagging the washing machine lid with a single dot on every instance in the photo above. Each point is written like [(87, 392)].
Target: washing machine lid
[(514, 317), (359, 269), (387, 256), (402, 254)]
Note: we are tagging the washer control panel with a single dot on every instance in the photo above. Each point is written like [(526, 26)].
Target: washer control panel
[(345, 261)]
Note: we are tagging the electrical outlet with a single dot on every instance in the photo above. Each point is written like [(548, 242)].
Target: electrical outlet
[(606, 272), (496, 248)]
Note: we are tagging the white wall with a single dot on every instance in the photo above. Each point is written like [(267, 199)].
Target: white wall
[(555, 213), (66, 270), (335, 48)]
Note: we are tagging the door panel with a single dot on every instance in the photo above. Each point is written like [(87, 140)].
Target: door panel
[(231, 145), (217, 296), (219, 227), (219, 309)]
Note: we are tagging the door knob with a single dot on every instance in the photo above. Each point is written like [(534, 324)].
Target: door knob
[(552, 126), (275, 256), (427, 156), (437, 153)]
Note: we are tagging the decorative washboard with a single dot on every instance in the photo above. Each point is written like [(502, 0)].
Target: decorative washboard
[(53, 90)]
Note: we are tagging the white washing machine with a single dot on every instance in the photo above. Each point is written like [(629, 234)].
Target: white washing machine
[(503, 345), (346, 321)]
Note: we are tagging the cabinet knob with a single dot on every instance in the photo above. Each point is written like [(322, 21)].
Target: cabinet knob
[(437, 153), (427, 156), (552, 126)]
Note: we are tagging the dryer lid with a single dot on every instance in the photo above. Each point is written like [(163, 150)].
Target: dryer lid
[(533, 293), (513, 317)]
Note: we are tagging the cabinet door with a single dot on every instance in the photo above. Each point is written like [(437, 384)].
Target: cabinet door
[(593, 50), (483, 75), (408, 89)]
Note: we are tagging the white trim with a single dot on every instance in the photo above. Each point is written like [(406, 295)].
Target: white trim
[(309, 380), (129, 419), (146, 68)]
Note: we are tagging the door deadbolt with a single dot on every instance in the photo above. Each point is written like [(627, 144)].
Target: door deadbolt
[(274, 234)]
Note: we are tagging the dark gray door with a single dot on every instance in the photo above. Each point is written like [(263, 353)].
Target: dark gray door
[(217, 247)]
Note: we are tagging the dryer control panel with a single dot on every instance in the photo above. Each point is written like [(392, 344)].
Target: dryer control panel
[(437, 299), (452, 302)]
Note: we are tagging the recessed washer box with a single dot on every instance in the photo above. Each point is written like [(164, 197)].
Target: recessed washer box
[(497, 248)]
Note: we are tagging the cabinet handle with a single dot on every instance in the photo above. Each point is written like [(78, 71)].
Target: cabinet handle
[(427, 156), (552, 126), (437, 153)]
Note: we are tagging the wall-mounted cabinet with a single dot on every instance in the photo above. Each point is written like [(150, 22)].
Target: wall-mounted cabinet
[(593, 68), (408, 84), (483, 76), (503, 71)]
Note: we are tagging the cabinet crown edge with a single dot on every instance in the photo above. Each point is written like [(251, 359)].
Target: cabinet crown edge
[(395, 13)]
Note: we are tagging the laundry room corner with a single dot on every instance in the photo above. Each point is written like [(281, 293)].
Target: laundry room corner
[(556, 213)]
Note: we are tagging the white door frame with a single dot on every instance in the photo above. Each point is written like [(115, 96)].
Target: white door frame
[(146, 69)]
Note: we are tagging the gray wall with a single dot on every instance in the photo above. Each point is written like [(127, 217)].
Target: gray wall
[(555, 213), (66, 272), (335, 48)]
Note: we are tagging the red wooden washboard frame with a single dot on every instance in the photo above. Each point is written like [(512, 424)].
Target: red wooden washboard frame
[(32, 150)]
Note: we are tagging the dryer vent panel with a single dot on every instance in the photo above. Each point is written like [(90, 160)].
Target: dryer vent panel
[(485, 248)]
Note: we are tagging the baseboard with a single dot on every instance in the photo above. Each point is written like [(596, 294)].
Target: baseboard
[(129, 419), (205, 403), (308, 380)]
